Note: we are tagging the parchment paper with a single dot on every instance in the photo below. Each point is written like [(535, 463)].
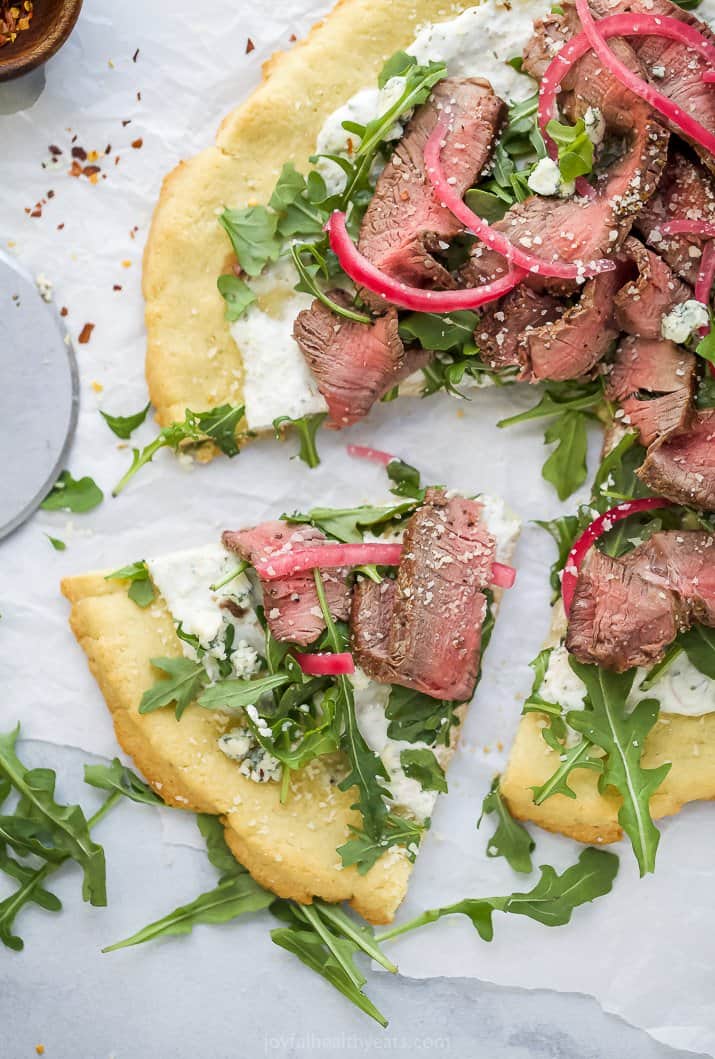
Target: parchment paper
[(646, 951)]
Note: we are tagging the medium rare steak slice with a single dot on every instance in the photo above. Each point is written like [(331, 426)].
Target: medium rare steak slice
[(291, 604), (642, 303), (354, 364), (685, 192), (658, 416), (618, 619), (435, 618), (682, 466), (404, 224), (684, 562), (504, 324), (655, 365)]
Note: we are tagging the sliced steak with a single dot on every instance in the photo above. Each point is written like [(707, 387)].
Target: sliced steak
[(684, 562), (655, 365), (404, 224), (574, 344), (291, 604), (642, 303), (435, 614), (618, 619), (685, 192), (354, 364), (505, 323), (658, 416), (682, 466)]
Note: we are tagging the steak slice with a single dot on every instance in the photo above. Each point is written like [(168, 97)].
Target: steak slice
[(655, 365), (291, 604), (642, 303), (685, 192), (354, 364), (505, 323), (618, 619), (436, 609), (684, 562), (572, 345), (682, 466), (659, 416), (404, 224)]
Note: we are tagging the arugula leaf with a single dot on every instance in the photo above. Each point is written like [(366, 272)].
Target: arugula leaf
[(231, 898), (566, 468), (397, 65), (182, 686), (237, 295), (123, 426), (511, 839), (350, 524), (560, 397), (253, 234), (418, 718), (576, 757), (423, 766), (141, 589), (575, 148), (488, 205), (406, 479), (217, 425), (30, 890), (73, 494), (236, 694), (606, 723), (705, 396), (455, 331), (551, 902), (118, 777), (564, 531), (27, 836), (217, 849), (56, 543), (363, 850), (66, 824), (306, 427), (300, 203), (699, 645)]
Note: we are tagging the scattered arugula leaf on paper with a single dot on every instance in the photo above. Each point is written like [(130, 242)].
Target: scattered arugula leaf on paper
[(551, 902), (56, 543), (218, 425), (306, 427), (119, 777), (511, 840), (141, 589), (77, 495), (124, 426)]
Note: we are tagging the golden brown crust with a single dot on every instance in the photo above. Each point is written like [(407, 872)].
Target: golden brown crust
[(192, 361)]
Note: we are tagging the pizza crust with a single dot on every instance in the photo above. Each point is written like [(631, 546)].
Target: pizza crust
[(192, 360), (688, 743)]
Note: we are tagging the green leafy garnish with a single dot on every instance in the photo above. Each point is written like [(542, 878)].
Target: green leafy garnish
[(123, 426), (423, 766), (141, 589), (511, 839), (117, 777), (306, 427), (181, 687), (253, 234), (418, 718), (575, 757), (56, 543), (564, 531), (606, 723), (363, 850), (320, 263), (406, 479), (575, 148), (299, 203), (398, 65), (236, 694), (73, 494), (551, 902), (699, 645), (237, 295), (217, 425), (351, 524), (566, 468)]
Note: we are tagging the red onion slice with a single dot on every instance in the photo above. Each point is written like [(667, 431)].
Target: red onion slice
[(326, 665), (328, 556), (364, 452)]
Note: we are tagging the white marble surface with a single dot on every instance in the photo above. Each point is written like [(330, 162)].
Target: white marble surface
[(640, 952)]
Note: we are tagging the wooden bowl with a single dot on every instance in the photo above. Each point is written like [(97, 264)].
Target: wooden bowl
[(52, 22)]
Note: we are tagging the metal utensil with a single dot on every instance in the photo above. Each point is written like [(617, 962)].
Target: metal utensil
[(39, 396)]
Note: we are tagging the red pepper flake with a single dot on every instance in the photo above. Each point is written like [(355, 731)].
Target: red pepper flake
[(14, 19), (64, 310), (60, 226), (135, 56), (79, 152), (249, 46), (139, 97), (74, 138), (85, 334), (116, 160), (127, 121), (54, 149), (117, 286), (91, 170), (50, 194), (75, 170), (37, 212), (108, 149), (292, 38), (138, 143)]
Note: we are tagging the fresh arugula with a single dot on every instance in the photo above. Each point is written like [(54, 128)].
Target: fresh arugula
[(421, 764), (558, 398), (321, 264), (73, 494), (56, 543), (237, 295), (699, 645), (705, 396), (451, 337), (363, 850), (299, 203), (180, 688), (236, 694), (141, 589), (606, 723), (575, 149), (124, 426), (571, 758), (306, 427), (406, 480), (65, 825), (511, 840), (254, 237), (218, 425), (118, 777), (564, 531), (517, 152), (351, 524), (551, 902), (418, 718)]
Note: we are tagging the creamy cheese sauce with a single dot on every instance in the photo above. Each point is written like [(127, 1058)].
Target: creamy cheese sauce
[(681, 689)]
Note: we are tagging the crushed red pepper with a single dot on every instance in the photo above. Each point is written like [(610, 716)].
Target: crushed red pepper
[(14, 19), (85, 334), (249, 46)]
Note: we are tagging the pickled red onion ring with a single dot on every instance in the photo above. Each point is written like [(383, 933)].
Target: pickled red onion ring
[(364, 452), (326, 665)]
